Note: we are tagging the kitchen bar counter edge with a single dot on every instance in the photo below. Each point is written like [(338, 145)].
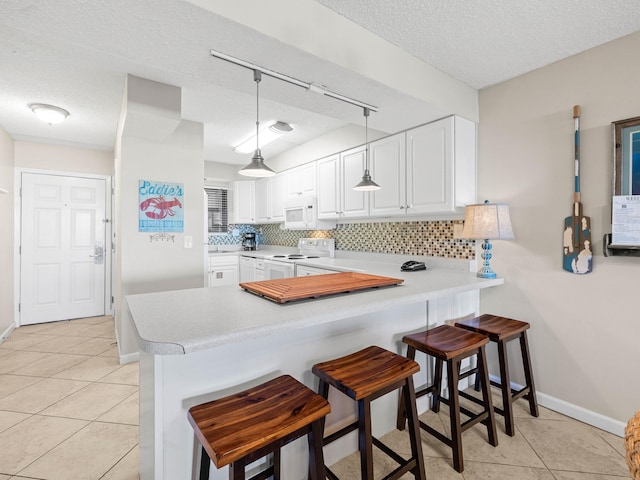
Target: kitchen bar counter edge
[(184, 321)]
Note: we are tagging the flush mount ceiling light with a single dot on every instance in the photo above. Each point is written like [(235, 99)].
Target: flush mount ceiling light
[(257, 168), (267, 135), (49, 113), (366, 185)]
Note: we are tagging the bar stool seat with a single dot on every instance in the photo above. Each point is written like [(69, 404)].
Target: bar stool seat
[(364, 376), (451, 345), (502, 330), (241, 428)]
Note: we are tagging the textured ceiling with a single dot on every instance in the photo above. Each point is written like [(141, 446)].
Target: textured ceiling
[(76, 55), (487, 42)]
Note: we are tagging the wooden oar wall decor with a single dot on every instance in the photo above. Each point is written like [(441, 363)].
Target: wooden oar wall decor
[(577, 256)]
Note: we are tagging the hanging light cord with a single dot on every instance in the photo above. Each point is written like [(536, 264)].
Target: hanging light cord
[(257, 77), (366, 137)]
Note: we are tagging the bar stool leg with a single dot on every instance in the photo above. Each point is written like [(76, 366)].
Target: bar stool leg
[(437, 385), (364, 438), (414, 427), (236, 470), (528, 375), (205, 464), (486, 395), (454, 413), (316, 462), (276, 464), (505, 388)]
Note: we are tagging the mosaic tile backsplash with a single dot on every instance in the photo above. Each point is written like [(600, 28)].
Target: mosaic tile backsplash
[(428, 238)]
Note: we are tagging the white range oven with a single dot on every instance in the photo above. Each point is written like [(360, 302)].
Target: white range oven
[(284, 265)]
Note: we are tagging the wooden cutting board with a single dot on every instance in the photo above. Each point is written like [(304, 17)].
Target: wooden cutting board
[(285, 290)]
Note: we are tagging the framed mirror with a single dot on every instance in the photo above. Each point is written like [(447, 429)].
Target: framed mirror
[(626, 156)]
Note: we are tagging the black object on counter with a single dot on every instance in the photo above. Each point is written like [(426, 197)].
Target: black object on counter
[(413, 266)]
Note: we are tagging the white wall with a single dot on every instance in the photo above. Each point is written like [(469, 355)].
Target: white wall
[(159, 146), (62, 158), (6, 232), (584, 328), (333, 142)]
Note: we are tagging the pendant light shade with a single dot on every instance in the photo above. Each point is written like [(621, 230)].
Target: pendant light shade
[(366, 184), (257, 167)]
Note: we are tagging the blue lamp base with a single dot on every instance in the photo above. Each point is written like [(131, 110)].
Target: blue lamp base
[(485, 271)]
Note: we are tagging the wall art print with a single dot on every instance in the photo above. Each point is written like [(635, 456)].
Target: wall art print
[(160, 206)]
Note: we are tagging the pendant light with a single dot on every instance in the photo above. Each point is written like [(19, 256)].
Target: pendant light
[(257, 168), (366, 185)]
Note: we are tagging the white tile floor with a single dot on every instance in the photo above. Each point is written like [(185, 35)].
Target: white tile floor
[(69, 410)]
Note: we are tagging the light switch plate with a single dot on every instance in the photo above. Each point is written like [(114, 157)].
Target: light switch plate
[(188, 241)]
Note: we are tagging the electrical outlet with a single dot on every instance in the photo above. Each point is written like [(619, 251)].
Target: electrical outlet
[(457, 230), (188, 241)]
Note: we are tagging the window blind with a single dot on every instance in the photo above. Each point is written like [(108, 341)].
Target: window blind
[(217, 209)]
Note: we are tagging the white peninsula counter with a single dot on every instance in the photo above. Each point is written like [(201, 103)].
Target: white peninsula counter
[(201, 344)]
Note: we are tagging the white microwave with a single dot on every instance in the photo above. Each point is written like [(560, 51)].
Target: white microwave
[(301, 213)]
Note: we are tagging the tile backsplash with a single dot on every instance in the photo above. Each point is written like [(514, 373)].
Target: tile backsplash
[(428, 238)]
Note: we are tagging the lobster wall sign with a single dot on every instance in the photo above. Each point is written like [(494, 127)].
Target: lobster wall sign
[(160, 207)]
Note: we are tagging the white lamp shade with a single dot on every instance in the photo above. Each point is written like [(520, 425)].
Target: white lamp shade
[(487, 221)]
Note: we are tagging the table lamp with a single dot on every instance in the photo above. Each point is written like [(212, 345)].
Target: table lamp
[(487, 221)]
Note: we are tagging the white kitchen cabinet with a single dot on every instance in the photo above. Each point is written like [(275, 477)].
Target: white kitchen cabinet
[(278, 194), (441, 166), (259, 269), (223, 270), (244, 201), (430, 169), (305, 271), (301, 181), (388, 167), (270, 196), (247, 269), (337, 175), (328, 187)]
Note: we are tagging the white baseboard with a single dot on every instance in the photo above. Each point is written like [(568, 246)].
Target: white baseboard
[(126, 358), (7, 333), (594, 419), (129, 358), (589, 417)]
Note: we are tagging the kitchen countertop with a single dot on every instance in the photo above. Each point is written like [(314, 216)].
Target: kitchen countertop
[(184, 321)]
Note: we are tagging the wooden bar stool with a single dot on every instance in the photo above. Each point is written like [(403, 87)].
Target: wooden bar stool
[(242, 428), (502, 330), (450, 345), (364, 376)]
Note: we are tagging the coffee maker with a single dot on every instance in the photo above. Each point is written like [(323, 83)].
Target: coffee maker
[(249, 241)]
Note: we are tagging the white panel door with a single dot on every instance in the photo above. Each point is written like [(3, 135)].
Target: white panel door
[(62, 265)]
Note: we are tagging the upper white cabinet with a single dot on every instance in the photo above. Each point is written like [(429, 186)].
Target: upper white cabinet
[(244, 201), (328, 170), (269, 199), (387, 161), (434, 173), (278, 195), (428, 170), (337, 175), (301, 181)]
